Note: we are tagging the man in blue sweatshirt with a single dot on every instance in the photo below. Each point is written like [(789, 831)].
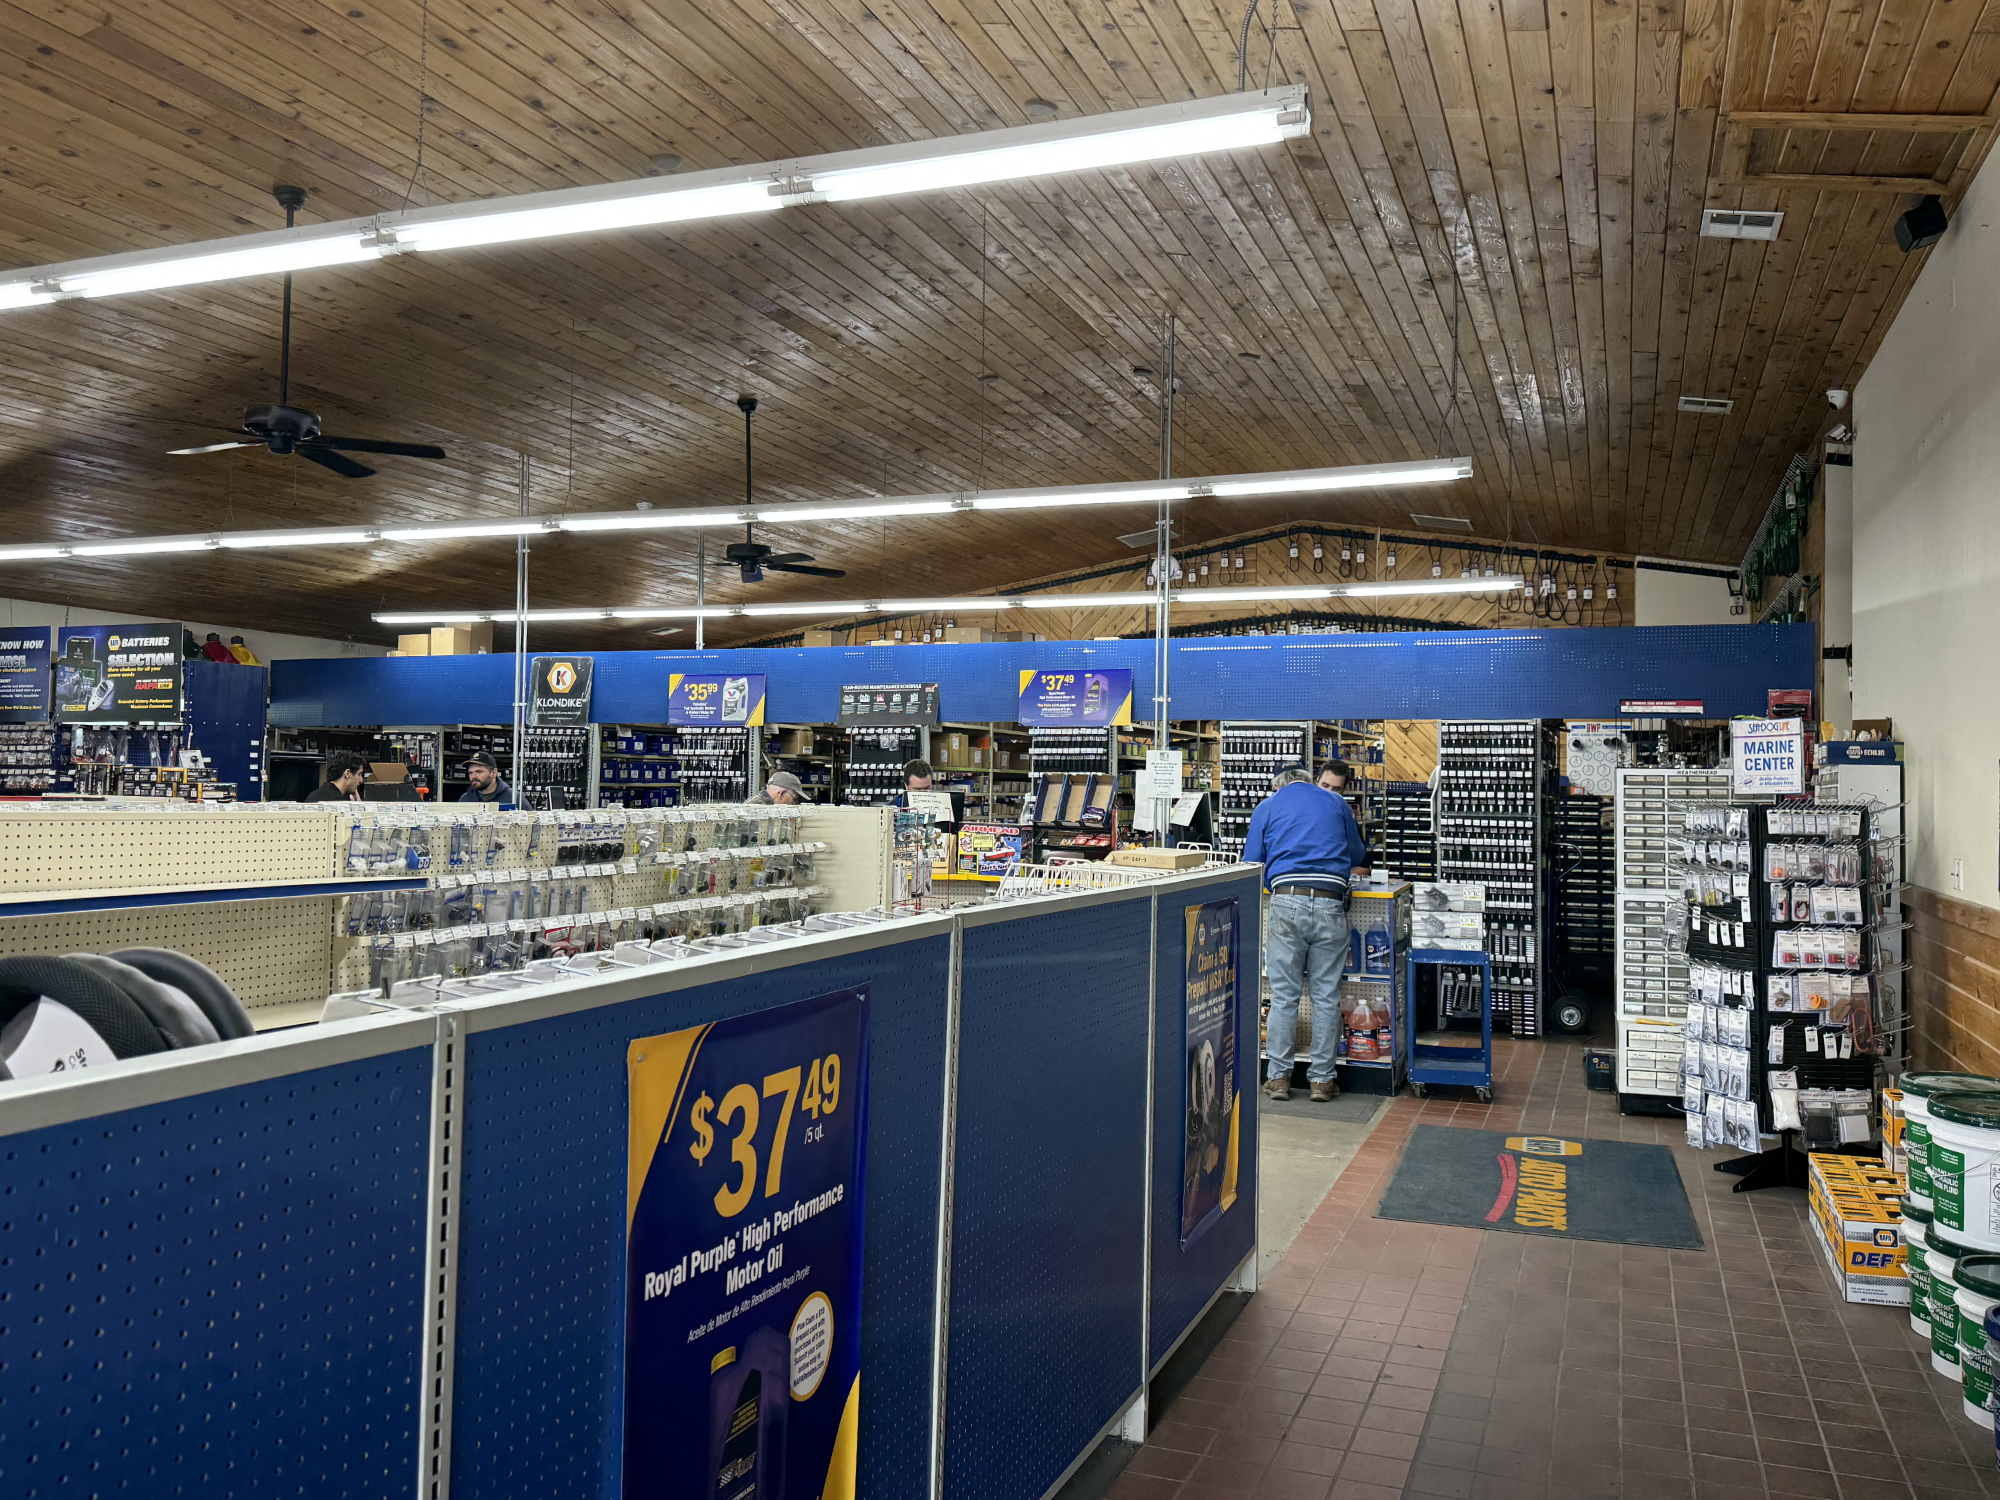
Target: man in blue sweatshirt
[(1306, 839)]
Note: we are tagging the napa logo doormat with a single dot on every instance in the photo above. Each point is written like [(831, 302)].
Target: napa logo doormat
[(1616, 1191)]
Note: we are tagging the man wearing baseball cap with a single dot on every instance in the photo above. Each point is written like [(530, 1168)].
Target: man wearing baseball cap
[(782, 790), (484, 774)]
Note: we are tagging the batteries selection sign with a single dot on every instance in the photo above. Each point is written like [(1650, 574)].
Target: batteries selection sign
[(1767, 756), (559, 691), (715, 702), (118, 674), (743, 1255), (1075, 697), (1214, 1103), (25, 674)]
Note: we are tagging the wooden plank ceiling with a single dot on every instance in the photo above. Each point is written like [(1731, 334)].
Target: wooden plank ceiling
[(1549, 158)]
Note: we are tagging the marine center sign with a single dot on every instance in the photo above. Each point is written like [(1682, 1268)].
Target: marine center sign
[(1767, 756)]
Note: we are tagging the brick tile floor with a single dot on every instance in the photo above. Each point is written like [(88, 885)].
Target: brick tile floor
[(1383, 1360)]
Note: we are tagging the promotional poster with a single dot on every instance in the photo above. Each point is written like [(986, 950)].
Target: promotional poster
[(990, 849), (715, 702), (25, 674), (1075, 697), (871, 704), (559, 691), (118, 674), (1208, 1163), (743, 1255)]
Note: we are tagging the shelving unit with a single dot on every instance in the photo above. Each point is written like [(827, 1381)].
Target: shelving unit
[(559, 770), (1491, 776), (638, 765), (1069, 752), (1406, 843), (993, 792), (872, 775)]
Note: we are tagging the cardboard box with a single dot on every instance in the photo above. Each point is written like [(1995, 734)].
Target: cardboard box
[(818, 638), (1426, 927), (462, 640), (1859, 1229), (413, 645), (968, 633), (796, 742), (956, 749), (1158, 859), (1448, 896), (388, 770)]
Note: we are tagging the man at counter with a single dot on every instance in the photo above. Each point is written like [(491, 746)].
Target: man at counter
[(484, 774), (1310, 847), (782, 790), (345, 771)]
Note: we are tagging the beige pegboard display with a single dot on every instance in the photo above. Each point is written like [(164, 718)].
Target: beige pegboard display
[(856, 866), (270, 953), (78, 850)]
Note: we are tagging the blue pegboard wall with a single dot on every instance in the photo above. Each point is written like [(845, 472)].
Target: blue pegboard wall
[(1048, 1224), (541, 1332), (221, 1295), (1499, 674), (1184, 1280)]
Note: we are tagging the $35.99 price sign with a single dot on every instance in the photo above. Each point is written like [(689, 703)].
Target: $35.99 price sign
[(743, 1255)]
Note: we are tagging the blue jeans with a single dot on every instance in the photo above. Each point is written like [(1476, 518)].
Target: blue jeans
[(1305, 947)]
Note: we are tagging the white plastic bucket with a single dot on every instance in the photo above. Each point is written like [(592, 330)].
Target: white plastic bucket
[(1977, 1293), (1918, 1273), (1917, 1089), (1963, 1162), (1942, 1263)]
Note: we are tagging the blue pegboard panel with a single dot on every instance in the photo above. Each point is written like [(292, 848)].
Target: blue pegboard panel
[(1498, 674), (227, 719), (541, 1330), (221, 1295), (1049, 1200), (1185, 1280)]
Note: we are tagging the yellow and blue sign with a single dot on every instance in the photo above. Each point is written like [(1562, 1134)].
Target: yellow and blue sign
[(715, 702), (1069, 697), (744, 1184), (1214, 1103)]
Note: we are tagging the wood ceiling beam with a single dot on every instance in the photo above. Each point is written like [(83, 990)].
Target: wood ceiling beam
[(1833, 119), (1837, 182)]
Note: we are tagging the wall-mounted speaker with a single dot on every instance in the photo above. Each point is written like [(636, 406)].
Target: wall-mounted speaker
[(1923, 226)]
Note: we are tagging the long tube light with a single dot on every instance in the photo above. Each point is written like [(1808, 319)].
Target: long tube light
[(714, 517), (971, 604), (1229, 122)]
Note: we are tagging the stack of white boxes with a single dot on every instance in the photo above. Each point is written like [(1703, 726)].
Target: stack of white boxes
[(1652, 972)]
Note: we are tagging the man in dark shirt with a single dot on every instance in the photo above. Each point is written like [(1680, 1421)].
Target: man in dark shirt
[(344, 773), (484, 774)]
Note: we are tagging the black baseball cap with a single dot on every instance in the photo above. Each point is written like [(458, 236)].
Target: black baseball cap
[(483, 758)]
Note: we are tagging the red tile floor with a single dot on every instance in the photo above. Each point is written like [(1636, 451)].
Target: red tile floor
[(1383, 1360)]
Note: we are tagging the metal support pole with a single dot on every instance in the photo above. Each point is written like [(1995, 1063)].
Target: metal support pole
[(701, 592), (1163, 574), (521, 635), (947, 1175)]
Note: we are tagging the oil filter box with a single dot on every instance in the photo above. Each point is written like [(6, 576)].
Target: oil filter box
[(1858, 1227)]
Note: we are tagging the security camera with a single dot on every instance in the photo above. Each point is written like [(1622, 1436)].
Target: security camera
[(1836, 399)]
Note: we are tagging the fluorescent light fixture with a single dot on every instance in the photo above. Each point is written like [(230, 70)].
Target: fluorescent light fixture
[(1231, 122), (976, 603), (452, 530), (143, 548), (31, 553), (654, 520), (1350, 477), (250, 539), (859, 510), (1067, 498), (1228, 122)]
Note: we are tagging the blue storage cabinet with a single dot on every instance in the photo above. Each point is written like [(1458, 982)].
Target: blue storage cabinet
[(226, 714)]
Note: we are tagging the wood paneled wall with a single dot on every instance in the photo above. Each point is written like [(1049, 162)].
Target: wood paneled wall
[(1953, 984)]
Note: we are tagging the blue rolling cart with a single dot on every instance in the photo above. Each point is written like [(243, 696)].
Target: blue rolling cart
[(1435, 1062)]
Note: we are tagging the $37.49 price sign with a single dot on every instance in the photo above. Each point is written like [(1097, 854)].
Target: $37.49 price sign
[(742, 1109)]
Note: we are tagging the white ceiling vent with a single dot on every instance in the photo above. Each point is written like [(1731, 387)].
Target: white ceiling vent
[(1741, 223), (1706, 403)]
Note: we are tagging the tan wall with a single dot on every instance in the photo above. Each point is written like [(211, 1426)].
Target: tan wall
[(1954, 984)]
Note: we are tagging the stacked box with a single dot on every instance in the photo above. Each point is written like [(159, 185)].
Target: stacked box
[(1858, 1226)]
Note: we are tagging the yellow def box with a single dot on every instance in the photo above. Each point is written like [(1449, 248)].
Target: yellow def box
[(1858, 1227)]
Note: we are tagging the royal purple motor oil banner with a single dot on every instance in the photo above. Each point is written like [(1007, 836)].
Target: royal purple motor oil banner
[(715, 701), (743, 1255), (119, 674), (1208, 1160), (1075, 697), (25, 674)]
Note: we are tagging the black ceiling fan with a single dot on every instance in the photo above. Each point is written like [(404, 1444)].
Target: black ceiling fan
[(289, 429), (751, 557)]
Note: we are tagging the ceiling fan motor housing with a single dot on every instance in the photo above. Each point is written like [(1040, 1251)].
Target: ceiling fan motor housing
[(283, 427)]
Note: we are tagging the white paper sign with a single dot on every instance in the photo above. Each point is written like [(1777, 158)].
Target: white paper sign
[(1768, 756), (937, 804), (1162, 778)]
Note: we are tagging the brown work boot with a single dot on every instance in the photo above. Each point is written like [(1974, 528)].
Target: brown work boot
[(1325, 1091), (1279, 1087)]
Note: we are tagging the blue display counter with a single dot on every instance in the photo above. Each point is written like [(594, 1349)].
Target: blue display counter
[(386, 1254)]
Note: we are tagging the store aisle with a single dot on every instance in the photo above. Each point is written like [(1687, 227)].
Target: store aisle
[(1300, 1156), (1387, 1360)]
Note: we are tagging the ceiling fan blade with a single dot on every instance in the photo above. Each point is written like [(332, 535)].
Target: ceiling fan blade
[(211, 448), (790, 557), (796, 568), (371, 445), (334, 461)]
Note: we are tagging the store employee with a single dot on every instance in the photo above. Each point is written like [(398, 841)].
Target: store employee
[(344, 774), (1309, 846), (484, 774)]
